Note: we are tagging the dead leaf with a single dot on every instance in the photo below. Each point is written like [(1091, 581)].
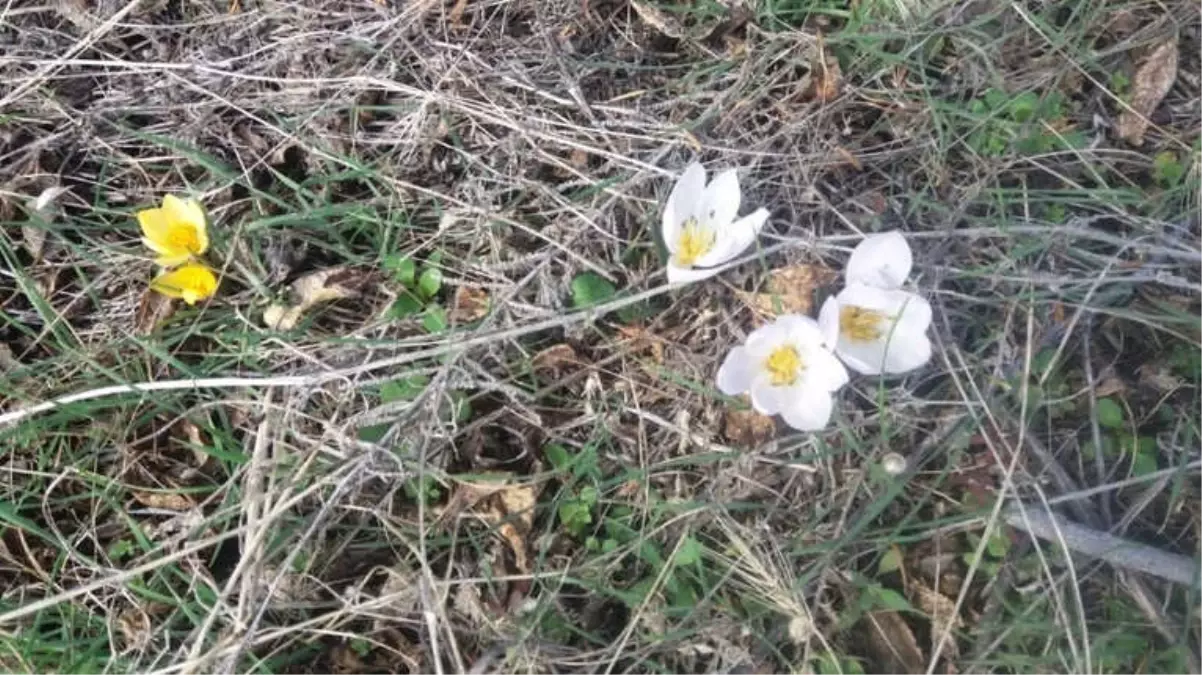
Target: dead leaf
[(747, 428), (469, 304), (578, 158), (793, 287), (1110, 386), (279, 317), (892, 643), (7, 360), (135, 627), (455, 16), (941, 610), (827, 78), (196, 442), (555, 358), (168, 501), (848, 157), (326, 285), (43, 210), (1151, 83), (1159, 378), (658, 20), (335, 283), (34, 239), (153, 309), (507, 506), (639, 339)]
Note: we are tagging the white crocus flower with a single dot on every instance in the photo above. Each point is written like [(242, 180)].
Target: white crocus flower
[(872, 324), (700, 227), (788, 372)]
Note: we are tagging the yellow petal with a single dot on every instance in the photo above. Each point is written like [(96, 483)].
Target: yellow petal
[(192, 283), (176, 231), (156, 231), (188, 213)]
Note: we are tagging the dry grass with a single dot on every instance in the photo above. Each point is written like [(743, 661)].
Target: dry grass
[(540, 488)]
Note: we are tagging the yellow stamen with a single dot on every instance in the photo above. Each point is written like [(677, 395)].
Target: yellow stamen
[(183, 238), (862, 325), (784, 365), (695, 241)]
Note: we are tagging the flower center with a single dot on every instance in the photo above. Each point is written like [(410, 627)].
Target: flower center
[(184, 238), (862, 325), (695, 241), (784, 365)]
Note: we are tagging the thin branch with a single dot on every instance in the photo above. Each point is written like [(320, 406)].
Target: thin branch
[(1117, 551)]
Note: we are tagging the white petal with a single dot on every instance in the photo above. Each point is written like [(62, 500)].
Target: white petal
[(828, 322), (915, 313), (803, 331), (824, 372), (764, 339), (720, 203), (907, 351), (900, 350), (684, 275), (865, 359), (682, 202), (770, 400), (811, 412), (874, 298), (881, 260), (735, 238), (736, 373)]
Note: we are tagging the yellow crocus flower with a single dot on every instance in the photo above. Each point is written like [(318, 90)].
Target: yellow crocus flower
[(192, 282), (176, 231)]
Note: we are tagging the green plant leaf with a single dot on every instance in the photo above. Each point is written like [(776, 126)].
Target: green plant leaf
[(1144, 463), (430, 282), (558, 456), (403, 269), (575, 516), (998, 545), (590, 289), (689, 552), (891, 561), (404, 389), (1110, 414), (887, 598), (435, 320), (407, 304)]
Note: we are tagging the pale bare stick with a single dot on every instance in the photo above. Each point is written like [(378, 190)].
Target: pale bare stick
[(1119, 552)]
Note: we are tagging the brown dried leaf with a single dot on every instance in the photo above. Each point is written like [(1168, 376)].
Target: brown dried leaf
[(43, 210), (827, 76), (326, 285), (469, 304), (793, 287), (1110, 386), (1152, 81), (134, 625), (335, 283), (658, 20), (153, 309), (942, 612), (508, 506), (639, 339), (169, 501), (747, 428), (455, 16), (34, 240), (892, 643), (279, 317), (555, 358)]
